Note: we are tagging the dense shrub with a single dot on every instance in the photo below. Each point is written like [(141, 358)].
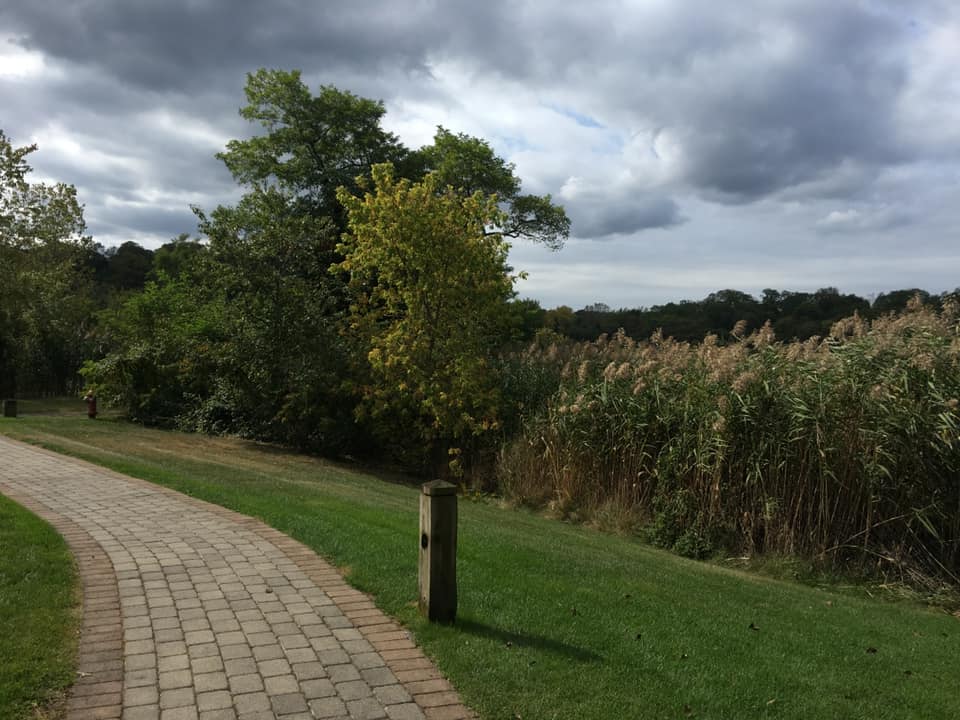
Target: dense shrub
[(840, 448)]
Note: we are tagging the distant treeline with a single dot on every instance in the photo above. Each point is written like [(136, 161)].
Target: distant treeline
[(792, 315)]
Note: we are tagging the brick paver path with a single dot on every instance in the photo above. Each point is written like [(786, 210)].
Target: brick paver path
[(194, 612)]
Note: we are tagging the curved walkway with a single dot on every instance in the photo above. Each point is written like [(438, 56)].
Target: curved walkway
[(195, 612)]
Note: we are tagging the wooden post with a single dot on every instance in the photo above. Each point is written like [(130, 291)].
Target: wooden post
[(9, 408), (438, 551)]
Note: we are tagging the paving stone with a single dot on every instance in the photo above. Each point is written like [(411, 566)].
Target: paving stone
[(181, 697), (181, 713), (333, 657), (288, 704), (246, 683), (366, 709), (143, 712), (223, 714), (137, 662), (134, 696), (406, 711), (365, 661), (301, 655), (321, 688), (206, 665), (380, 676), (140, 678), (268, 652), (447, 712), (279, 666), (175, 679), (240, 666), (172, 663), (251, 702), (168, 635), (210, 681), (392, 694), (328, 708), (437, 699), (209, 649), (216, 700), (235, 651), (342, 673), (309, 671), (281, 684)]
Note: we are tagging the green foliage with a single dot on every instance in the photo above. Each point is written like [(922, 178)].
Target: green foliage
[(161, 351), (176, 257), (469, 165), (128, 266), (429, 292), (313, 144), (843, 449), (284, 366), (44, 294), (245, 339)]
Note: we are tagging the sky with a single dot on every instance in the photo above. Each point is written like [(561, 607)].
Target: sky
[(696, 145)]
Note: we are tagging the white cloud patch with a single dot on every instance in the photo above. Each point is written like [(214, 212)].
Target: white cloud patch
[(866, 220)]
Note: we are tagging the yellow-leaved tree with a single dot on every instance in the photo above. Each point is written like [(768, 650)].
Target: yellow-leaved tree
[(430, 287)]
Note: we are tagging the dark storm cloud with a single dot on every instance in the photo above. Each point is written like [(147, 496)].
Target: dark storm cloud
[(178, 46), (760, 98), (596, 219)]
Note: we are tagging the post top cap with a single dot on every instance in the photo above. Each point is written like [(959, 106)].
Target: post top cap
[(438, 487)]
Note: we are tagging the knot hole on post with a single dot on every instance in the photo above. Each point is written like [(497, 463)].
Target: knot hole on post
[(423, 540)]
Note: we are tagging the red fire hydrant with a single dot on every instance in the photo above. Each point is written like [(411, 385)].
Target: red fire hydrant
[(91, 401)]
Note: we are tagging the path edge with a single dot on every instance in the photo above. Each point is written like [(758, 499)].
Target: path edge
[(97, 691)]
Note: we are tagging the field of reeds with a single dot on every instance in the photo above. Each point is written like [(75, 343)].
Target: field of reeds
[(844, 450)]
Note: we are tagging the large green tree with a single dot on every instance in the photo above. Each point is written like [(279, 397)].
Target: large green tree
[(44, 296), (429, 302), (311, 144)]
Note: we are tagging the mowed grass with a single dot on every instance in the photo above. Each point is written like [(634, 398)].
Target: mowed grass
[(558, 621), (38, 614)]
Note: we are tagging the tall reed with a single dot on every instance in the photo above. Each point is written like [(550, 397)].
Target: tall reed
[(838, 448)]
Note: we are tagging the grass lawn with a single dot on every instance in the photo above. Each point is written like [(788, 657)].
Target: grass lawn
[(38, 618), (558, 621)]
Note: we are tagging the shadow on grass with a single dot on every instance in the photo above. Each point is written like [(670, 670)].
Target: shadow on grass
[(527, 640), (380, 470)]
